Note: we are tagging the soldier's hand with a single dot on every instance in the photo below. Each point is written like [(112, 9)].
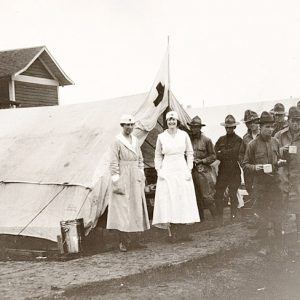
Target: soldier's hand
[(281, 163), (197, 161), (259, 167), (285, 148)]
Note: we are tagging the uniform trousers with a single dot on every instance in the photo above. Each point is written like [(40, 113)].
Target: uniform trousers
[(232, 181)]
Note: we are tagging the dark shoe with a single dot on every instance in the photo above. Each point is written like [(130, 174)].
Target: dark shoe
[(122, 247)]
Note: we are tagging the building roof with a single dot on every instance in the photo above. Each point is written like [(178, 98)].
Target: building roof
[(15, 62)]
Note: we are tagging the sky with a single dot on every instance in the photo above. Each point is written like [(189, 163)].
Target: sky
[(221, 51)]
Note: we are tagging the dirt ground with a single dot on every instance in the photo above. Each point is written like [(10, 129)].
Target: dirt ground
[(219, 262), (237, 274)]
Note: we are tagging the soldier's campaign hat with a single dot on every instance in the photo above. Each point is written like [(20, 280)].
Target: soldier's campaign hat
[(172, 114), (230, 121), (266, 118), (251, 116), (196, 121), (127, 119), (294, 112), (279, 109), (246, 115)]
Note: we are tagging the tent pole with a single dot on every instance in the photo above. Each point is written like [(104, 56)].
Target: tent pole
[(169, 72), (168, 107)]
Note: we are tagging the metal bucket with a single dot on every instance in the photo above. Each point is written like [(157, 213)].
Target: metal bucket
[(72, 232)]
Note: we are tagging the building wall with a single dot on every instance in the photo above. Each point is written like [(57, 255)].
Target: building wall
[(31, 94), (37, 69), (4, 89)]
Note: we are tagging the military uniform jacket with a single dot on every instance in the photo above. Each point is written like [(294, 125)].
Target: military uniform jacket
[(290, 174), (279, 126), (285, 137), (261, 151), (203, 149), (247, 138), (227, 149)]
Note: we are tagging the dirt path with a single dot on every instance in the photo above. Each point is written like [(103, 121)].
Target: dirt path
[(218, 262), (239, 274)]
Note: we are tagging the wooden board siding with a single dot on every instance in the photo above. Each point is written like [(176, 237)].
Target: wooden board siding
[(4, 89), (37, 69), (30, 94)]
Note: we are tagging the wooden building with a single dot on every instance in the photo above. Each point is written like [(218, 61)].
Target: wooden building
[(30, 77)]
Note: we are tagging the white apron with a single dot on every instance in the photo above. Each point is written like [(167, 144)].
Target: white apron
[(175, 199)]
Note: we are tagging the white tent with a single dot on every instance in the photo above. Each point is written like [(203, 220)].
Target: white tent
[(54, 161)]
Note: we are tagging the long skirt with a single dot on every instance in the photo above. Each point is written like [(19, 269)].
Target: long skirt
[(127, 209), (175, 199)]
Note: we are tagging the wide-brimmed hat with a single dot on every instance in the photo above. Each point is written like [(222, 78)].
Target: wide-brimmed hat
[(246, 115), (230, 121), (196, 121), (172, 114), (127, 119), (279, 109), (250, 116), (294, 112), (266, 118)]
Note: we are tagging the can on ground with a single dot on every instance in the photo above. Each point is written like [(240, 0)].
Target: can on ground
[(72, 232)]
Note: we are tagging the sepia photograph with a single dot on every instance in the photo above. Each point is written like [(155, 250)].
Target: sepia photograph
[(149, 149)]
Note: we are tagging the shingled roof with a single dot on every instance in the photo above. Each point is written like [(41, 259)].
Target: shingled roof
[(14, 62)]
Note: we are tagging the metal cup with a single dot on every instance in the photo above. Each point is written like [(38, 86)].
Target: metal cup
[(293, 149), (267, 168)]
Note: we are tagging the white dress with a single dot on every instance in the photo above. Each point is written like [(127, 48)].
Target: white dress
[(175, 199)]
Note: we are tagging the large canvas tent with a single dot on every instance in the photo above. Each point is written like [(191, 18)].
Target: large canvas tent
[(54, 160)]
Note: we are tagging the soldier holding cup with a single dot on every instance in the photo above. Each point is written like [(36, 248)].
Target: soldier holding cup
[(289, 141), (262, 159)]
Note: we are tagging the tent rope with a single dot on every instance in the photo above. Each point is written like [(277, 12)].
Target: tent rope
[(148, 143), (83, 203), (147, 165), (42, 210)]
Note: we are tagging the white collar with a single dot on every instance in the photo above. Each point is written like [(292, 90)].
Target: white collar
[(124, 141)]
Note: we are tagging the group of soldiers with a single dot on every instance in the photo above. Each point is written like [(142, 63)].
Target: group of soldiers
[(269, 156)]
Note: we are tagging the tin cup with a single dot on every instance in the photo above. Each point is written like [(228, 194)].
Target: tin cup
[(293, 149), (267, 168)]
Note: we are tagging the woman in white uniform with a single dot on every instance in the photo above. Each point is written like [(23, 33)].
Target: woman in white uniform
[(175, 199)]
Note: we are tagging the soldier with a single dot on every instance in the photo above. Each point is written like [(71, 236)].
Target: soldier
[(250, 120), (246, 117), (204, 155), (298, 105), (262, 158), (289, 141), (279, 114), (229, 174)]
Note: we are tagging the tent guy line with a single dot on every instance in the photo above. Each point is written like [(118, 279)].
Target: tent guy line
[(41, 210)]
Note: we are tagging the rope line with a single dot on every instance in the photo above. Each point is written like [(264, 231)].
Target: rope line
[(41, 210)]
